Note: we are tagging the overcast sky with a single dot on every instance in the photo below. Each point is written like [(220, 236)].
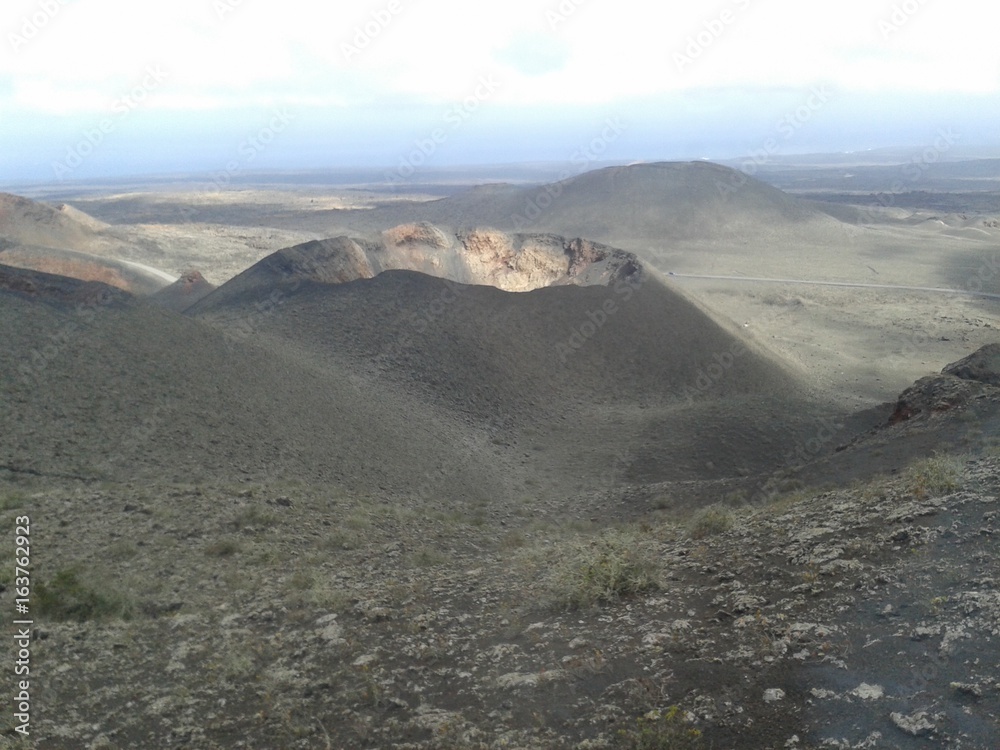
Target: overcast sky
[(114, 87)]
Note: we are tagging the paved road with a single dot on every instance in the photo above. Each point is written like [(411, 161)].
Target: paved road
[(853, 284)]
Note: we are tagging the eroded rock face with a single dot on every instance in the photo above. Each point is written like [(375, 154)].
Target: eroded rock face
[(512, 262), (958, 384), (982, 365), (420, 233)]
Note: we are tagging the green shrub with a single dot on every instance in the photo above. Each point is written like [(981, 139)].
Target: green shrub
[(67, 597), (661, 731), (710, 521), (615, 565), (935, 476)]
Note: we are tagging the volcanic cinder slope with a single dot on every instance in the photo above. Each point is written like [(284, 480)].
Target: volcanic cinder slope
[(641, 207), (64, 241), (335, 360), (98, 384), (596, 359), (183, 293)]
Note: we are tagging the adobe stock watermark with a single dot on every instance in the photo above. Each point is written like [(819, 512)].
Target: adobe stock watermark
[(597, 318), (581, 159), (456, 116), (421, 321), (251, 147), (32, 25), (918, 341), (787, 127), (562, 12), (248, 325), (712, 29), (912, 172), (224, 7), (367, 32), (900, 16), (121, 108)]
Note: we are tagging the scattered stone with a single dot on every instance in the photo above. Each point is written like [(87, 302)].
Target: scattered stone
[(867, 692), (923, 633), (975, 691), (773, 695), (332, 633), (917, 725), (530, 679)]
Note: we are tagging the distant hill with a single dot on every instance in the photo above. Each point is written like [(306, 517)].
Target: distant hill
[(27, 222), (64, 241), (190, 288), (639, 204), (63, 292)]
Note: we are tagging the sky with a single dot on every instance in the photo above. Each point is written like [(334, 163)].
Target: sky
[(103, 88)]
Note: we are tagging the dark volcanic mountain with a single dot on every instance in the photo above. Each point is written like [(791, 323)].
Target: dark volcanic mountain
[(634, 206), (331, 360), (597, 357)]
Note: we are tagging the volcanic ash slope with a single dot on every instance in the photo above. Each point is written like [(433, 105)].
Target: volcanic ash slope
[(594, 368)]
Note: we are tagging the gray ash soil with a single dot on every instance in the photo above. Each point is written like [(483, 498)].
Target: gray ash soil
[(238, 610), (292, 616)]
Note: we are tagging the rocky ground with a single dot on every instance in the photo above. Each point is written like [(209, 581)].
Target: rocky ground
[(253, 616)]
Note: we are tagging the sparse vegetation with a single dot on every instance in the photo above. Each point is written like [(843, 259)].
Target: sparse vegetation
[(614, 565), (934, 476), (255, 517), (223, 548), (124, 549), (428, 557), (13, 500), (710, 521), (789, 500), (66, 596), (659, 730)]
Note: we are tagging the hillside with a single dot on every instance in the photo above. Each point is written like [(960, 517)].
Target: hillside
[(101, 386), (631, 207), (578, 375), (64, 241)]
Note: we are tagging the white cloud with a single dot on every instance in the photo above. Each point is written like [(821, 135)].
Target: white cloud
[(87, 53)]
